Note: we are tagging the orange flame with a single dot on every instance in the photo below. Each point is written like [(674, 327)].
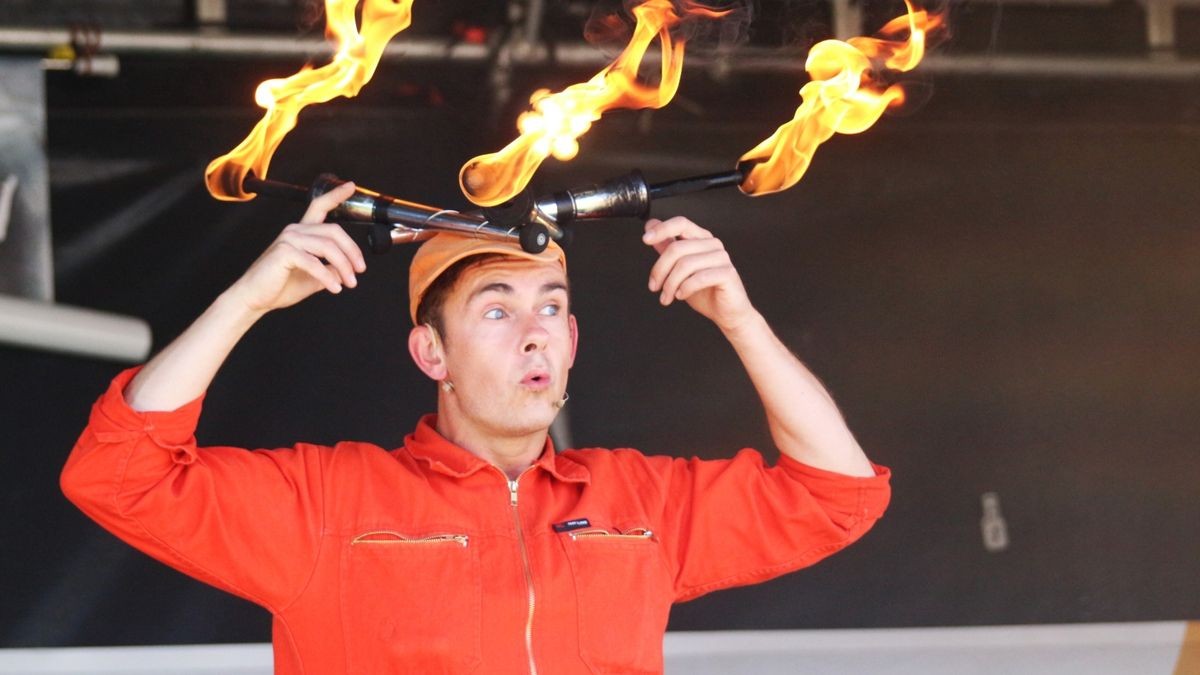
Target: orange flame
[(353, 65), (557, 120), (843, 97)]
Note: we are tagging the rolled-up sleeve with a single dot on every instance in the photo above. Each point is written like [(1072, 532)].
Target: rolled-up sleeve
[(734, 522), (249, 522)]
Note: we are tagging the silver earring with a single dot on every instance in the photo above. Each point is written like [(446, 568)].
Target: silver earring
[(447, 386)]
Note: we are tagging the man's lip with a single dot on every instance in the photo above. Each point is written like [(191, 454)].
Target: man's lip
[(536, 379)]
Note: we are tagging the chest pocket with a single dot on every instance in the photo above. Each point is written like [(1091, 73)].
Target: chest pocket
[(623, 589), (411, 602)]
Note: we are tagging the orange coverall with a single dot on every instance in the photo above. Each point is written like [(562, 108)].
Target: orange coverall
[(426, 559)]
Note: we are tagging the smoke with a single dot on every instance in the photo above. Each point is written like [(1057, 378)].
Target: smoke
[(311, 15), (729, 31), (918, 84), (611, 24), (609, 27)]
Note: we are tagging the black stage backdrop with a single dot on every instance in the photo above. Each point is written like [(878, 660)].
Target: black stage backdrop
[(1001, 289)]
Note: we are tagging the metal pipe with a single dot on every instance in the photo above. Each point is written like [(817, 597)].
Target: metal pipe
[(534, 11), (95, 65), (217, 44), (1159, 66), (402, 221), (581, 54), (74, 330), (368, 206), (627, 196), (532, 222)]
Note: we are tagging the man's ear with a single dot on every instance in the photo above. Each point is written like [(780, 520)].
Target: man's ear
[(426, 351), (574, 327)]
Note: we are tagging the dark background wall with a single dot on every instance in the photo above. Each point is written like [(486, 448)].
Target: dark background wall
[(1000, 288)]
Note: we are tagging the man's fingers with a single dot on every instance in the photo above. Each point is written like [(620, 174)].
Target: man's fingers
[(344, 242), (650, 235), (329, 250), (675, 250), (334, 233), (687, 268), (307, 263), (710, 277), (658, 231), (321, 206)]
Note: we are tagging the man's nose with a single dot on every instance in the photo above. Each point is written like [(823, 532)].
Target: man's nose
[(536, 336)]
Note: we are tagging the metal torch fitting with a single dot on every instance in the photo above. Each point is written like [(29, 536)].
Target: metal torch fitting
[(622, 197), (412, 221)]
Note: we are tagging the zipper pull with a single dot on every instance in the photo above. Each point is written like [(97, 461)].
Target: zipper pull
[(512, 493)]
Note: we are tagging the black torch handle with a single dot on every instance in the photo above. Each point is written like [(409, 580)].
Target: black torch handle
[(625, 196), (274, 188), (404, 221), (379, 237), (710, 181), (532, 222)]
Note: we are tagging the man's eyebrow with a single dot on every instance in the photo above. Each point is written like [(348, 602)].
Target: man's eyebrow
[(497, 286), (506, 289)]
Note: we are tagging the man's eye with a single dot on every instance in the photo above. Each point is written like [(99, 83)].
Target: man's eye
[(550, 310), (494, 313)]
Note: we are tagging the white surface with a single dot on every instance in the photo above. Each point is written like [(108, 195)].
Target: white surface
[(254, 659), (7, 189), (1095, 649), (46, 326)]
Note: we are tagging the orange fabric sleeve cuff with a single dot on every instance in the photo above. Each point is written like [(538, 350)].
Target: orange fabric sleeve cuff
[(112, 419), (868, 501)]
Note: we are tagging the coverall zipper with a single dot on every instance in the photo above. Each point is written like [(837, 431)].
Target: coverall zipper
[(512, 500)]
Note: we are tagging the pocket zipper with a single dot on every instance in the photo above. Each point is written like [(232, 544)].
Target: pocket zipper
[(460, 539), (640, 533)]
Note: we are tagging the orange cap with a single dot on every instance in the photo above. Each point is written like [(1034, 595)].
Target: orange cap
[(444, 249)]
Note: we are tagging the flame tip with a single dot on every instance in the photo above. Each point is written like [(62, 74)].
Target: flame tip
[(555, 121), (848, 92), (361, 38)]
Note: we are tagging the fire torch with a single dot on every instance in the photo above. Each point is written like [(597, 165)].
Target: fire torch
[(533, 221)]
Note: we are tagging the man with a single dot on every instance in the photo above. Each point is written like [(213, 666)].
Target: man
[(475, 547)]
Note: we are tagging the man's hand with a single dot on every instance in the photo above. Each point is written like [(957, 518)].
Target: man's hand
[(804, 421), (306, 257), (693, 266), (290, 270)]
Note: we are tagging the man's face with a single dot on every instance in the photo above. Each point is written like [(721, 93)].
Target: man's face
[(509, 341)]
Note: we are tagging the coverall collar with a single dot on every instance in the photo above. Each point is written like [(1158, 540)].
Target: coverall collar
[(427, 445)]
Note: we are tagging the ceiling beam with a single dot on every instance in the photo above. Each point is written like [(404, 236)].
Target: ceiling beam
[(581, 54)]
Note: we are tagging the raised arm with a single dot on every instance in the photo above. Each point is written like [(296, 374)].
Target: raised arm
[(805, 423), (290, 270), (136, 468)]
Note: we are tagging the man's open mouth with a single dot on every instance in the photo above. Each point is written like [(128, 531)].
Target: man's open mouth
[(536, 379)]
